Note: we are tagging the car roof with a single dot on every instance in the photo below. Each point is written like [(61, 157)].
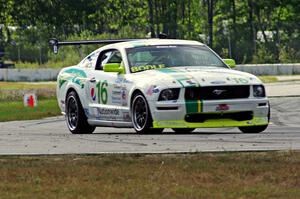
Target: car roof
[(153, 42)]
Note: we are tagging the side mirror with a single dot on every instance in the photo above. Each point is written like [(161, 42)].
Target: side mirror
[(114, 67), (230, 62)]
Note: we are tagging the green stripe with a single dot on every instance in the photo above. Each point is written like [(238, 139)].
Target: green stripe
[(191, 106), (168, 70), (201, 101)]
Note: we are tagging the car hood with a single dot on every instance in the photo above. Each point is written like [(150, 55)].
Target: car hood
[(196, 76)]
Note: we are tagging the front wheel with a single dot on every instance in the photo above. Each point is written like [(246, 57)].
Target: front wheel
[(75, 116), (253, 129), (141, 116), (257, 129)]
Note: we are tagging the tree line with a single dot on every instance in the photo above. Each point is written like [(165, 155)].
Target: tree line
[(249, 31)]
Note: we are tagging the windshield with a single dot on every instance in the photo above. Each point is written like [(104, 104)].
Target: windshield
[(152, 57)]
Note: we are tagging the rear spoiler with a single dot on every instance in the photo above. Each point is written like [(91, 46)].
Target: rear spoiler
[(54, 43)]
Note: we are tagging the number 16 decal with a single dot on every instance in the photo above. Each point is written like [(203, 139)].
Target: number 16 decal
[(102, 92)]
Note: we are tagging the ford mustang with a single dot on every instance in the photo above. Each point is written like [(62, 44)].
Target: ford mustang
[(153, 84)]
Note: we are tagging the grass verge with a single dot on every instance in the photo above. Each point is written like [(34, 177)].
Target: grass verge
[(26, 85), (15, 110), (223, 175), (11, 100), (268, 79)]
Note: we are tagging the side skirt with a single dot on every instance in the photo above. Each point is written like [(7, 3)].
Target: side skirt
[(105, 123)]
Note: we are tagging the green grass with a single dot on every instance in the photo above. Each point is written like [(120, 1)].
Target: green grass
[(26, 85), (15, 110), (11, 100), (268, 79), (222, 175), (61, 64)]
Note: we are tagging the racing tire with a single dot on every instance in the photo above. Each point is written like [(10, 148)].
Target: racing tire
[(253, 129), (256, 129), (75, 116), (183, 130), (141, 116)]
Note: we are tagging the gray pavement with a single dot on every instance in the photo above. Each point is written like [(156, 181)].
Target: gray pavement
[(283, 89), (51, 136)]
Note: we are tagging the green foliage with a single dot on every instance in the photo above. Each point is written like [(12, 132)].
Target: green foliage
[(247, 31)]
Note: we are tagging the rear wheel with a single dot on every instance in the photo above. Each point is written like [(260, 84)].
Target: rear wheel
[(141, 116), (183, 130), (75, 116)]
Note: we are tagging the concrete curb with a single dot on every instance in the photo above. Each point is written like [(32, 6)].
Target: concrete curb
[(30, 75), (45, 74), (270, 69)]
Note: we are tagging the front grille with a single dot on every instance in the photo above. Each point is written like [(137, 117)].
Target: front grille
[(217, 92), (202, 117)]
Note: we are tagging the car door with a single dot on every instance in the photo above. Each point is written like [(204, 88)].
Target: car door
[(106, 89)]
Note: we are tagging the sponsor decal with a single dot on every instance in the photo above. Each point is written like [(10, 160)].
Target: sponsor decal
[(93, 94), (124, 94), (240, 80), (75, 75), (102, 92), (119, 80), (153, 89), (127, 81), (218, 91), (106, 111), (146, 67), (218, 82), (116, 96), (116, 99), (109, 114), (222, 107), (190, 81), (116, 92)]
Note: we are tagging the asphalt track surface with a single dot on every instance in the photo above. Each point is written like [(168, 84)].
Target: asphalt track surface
[(51, 136)]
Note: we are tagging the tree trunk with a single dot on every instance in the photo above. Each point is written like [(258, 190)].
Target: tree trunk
[(252, 27), (156, 17), (233, 49), (257, 12), (151, 18), (210, 22), (189, 18), (183, 11)]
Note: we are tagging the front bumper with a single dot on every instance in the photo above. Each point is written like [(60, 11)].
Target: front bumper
[(173, 114)]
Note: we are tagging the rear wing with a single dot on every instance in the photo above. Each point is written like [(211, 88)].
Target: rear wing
[(54, 43)]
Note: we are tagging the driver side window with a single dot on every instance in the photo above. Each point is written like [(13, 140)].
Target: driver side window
[(108, 56)]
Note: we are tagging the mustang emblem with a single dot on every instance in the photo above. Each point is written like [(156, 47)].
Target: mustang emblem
[(218, 92)]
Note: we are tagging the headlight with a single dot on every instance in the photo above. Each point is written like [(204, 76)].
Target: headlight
[(259, 91), (169, 94)]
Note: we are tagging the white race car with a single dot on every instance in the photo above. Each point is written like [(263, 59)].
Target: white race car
[(153, 84)]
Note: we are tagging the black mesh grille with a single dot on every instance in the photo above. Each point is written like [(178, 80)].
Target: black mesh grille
[(217, 92), (202, 117)]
